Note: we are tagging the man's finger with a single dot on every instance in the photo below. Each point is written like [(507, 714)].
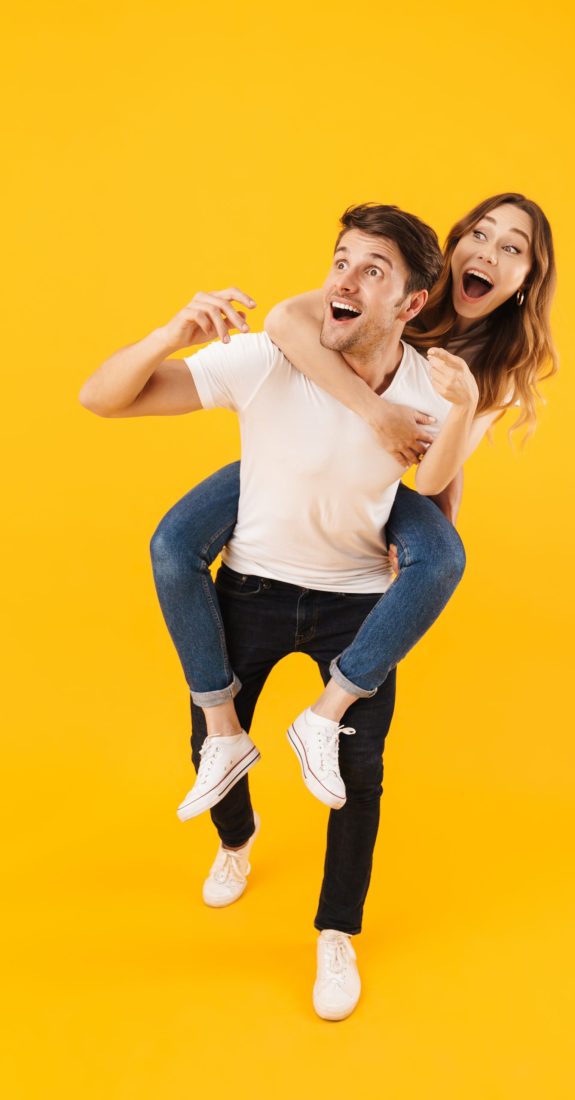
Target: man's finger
[(227, 309), (423, 418), (237, 295), (209, 319)]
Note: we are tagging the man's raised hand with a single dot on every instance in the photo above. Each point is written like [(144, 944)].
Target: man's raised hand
[(209, 316)]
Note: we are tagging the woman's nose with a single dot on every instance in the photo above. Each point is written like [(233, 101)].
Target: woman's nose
[(488, 254)]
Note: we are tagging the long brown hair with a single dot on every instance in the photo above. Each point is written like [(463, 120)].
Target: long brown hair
[(512, 349)]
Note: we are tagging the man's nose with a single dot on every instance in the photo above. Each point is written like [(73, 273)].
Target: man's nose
[(347, 280)]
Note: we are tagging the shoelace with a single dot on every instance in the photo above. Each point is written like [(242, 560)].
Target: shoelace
[(329, 744), (336, 960), (229, 868), (208, 753)]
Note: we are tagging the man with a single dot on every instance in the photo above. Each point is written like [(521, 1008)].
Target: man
[(304, 565)]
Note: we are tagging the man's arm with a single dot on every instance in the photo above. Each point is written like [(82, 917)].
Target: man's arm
[(139, 380), (294, 326)]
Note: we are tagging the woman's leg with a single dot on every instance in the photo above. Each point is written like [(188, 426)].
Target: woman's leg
[(185, 543), (431, 560)]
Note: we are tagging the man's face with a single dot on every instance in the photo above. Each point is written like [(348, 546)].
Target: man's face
[(363, 294)]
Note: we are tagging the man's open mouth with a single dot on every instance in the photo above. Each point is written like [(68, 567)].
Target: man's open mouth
[(343, 311), (476, 284)]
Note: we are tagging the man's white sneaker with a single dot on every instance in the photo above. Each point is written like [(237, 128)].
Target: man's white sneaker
[(223, 762), (338, 984), (315, 741), (228, 875)]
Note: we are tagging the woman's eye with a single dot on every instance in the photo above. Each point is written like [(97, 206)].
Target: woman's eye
[(479, 234), (511, 247)]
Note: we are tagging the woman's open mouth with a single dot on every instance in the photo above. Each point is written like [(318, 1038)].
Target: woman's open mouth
[(343, 311), (475, 284)]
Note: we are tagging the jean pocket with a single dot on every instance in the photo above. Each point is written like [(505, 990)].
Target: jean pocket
[(231, 583)]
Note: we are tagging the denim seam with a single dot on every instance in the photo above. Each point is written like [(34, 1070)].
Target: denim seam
[(216, 615), (217, 620), (205, 549)]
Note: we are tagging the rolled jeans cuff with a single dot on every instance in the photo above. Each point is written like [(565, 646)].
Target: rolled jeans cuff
[(206, 699), (347, 685)]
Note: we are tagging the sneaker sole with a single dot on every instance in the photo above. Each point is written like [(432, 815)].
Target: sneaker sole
[(207, 801), (333, 1014), (312, 783), (224, 902)]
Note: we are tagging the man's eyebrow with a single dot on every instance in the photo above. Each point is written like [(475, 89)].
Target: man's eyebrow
[(486, 218), (373, 255)]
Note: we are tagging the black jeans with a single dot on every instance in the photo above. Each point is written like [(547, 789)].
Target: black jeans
[(265, 620)]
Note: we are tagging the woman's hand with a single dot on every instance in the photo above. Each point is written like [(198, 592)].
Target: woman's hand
[(400, 429), (207, 317), (452, 378)]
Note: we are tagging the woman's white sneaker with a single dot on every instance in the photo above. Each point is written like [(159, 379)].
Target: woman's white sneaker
[(338, 984), (315, 741), (228, 875), (223, 762)]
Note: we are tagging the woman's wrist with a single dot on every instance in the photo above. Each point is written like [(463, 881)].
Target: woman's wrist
[(465, 410), (371, 407)]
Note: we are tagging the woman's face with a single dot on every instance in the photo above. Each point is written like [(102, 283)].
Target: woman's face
[(491, 261)]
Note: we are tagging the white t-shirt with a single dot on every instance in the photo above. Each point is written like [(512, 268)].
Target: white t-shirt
[(316, 486)]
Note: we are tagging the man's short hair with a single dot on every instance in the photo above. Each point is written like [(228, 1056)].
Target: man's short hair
[(416, 241)]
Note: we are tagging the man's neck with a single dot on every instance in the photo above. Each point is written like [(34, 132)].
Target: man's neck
[(377, 367)]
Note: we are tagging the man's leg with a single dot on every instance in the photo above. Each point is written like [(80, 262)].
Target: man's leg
[(258, 622), (352, 831), (233, 816)]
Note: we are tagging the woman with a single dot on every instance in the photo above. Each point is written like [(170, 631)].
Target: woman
[(490, 311)]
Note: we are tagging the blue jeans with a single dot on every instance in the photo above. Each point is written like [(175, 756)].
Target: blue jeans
[(191, 535), (264, 620)]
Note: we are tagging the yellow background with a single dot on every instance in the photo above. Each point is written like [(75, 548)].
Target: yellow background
[(153, 150)]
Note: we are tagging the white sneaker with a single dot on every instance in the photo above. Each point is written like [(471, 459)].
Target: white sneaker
[(338, 984), (315, 741), (223, 761), (229, 872)]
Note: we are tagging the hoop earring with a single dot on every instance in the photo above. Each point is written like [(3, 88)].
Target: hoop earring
[(520, 297)]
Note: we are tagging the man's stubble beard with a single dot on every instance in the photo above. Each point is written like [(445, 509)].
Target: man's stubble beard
[(362, 341)]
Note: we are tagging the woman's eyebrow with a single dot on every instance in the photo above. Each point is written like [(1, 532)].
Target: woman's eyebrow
[(486, 218)]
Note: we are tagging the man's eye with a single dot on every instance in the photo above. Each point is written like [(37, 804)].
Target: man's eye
[(340, 264), (374, 271)]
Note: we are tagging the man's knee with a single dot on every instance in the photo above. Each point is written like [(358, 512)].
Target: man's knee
[(363, 779)]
